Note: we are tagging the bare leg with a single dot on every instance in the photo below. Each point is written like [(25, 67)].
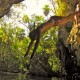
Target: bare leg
[(36, 44), (29, 47)]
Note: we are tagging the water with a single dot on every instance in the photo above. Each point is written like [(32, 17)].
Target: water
[(19, 76)]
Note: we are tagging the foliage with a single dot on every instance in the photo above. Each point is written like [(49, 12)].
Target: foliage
[(14, 42), (62, 7), (13, 45), (25, 18), (46, 9), (34, 21), (49, 38)]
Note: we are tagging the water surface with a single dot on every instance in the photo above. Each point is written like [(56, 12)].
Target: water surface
[(19, 76)]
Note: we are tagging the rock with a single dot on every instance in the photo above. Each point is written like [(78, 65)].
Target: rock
[(39, 66)]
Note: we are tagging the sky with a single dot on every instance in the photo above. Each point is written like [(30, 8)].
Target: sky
[(35, 6)]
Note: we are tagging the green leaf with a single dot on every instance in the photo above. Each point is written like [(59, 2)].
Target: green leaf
[(25, 18)]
